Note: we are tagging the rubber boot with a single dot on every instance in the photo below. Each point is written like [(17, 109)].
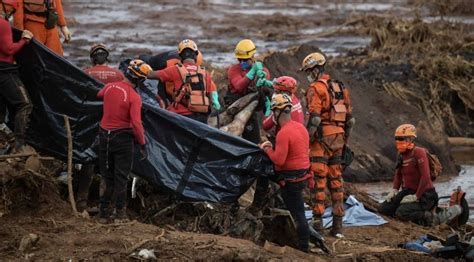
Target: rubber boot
[(120, 216), (446, 215), (104, 215), (336, 230), (317, 222)]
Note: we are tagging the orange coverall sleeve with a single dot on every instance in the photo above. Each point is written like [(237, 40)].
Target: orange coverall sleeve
[(347, 101), (59, 9), (211, 87), (314, 98), (19, 16)]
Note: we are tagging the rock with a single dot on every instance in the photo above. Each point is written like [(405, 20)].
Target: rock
[(27, 242), (33, 163)]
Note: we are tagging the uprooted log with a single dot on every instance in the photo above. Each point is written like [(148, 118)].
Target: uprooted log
[(227, 116), (237, 126)]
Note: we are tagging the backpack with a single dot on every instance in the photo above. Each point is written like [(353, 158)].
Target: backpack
[(192, 93), (338, 109)]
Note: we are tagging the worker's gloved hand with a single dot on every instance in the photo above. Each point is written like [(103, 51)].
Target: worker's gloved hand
[(258, 66), (409, 199), (313, 124), (266, 145), (66, 33), (268, 106), (27, 35), (262, 82), (391, 195), (251, 73), (215, 101), (261, 74), (143, 153)]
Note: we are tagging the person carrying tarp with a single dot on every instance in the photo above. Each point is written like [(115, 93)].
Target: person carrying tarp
[(42, 17), (285, 85), (243, 78), (12, 89), (120, 127), (329, 126), (416, 168), (291, 162), (194, 90)]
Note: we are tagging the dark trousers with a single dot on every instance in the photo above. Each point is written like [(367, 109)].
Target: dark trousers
[(13, 93), (115, 162), (293, 197), (201, 117), (410, 211)]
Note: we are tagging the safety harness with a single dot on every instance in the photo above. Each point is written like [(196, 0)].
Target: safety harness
[(192, 93), (296, 176)]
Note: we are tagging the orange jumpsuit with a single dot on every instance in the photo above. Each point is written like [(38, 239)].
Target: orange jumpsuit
[(30, 16), (326, 152)]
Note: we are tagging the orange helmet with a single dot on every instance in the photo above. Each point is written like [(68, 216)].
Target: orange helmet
[(187, 43), (285, 83), (137, 69), (281, 101), (405, 130), (199, 59), (312, 60)]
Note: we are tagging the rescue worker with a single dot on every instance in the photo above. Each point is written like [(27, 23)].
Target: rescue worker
[(194, 90), (13, 91), (162, 61), (329, 125), (243, 78), (417, 200), (100, 70), (105, 74), (285, 85), (120, 127), (42, 17), (291, 162)]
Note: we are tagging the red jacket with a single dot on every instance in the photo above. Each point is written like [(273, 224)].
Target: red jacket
[(238, 82), (414, 173), (105, 74), (297, 114), (7, 47), (291, 148), (171, 74), (122, 109)]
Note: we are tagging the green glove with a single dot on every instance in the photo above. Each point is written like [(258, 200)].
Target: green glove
[(251, 74), (268, 105), (215, 101), (261, 74), (264, 82), (258, 66)]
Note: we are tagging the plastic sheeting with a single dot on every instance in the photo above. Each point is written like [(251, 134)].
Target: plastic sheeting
[(194, 160)]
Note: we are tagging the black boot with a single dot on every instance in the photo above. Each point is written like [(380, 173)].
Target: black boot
[(104, 214), (336, 230)]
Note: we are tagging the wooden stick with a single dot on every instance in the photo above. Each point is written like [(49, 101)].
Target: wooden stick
[(17, 155), (69, 165)]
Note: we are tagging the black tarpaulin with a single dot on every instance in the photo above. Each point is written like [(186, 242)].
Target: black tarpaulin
[(195, 161)]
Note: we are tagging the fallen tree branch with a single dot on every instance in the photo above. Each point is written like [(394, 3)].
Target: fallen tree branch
[(69, 164)]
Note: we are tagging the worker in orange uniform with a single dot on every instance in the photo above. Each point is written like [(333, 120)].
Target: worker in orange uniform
[(42, 17), (291, 161), (329, 124), (194, 91), (121, 126)]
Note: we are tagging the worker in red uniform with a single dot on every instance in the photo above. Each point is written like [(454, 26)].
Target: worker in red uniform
[(12, 90), (161, 61), (120, 127), (194, 90), (329, 127), (42, 17), (100, 70), (291, 162), (286, 85)]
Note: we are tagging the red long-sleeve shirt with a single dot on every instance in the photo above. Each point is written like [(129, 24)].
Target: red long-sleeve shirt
[(238, 82), (414, 173), (171, 74), (297, 114), (105, 74), (291, 148), (122, 109), (7, 47)]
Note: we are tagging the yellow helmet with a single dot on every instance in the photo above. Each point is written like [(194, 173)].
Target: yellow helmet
[(281, 101), (245, 49), (187, 43), (405, 130), (138, 69), (312, 60)]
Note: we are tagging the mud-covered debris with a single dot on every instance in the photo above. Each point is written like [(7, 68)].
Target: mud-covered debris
[(27, 242)]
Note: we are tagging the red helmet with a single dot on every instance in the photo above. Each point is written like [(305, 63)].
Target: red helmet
[(285, 83)]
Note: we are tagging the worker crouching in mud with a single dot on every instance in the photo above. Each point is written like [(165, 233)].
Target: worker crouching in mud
[(417, 201), (120, 127), (194, 90), (291, 161)]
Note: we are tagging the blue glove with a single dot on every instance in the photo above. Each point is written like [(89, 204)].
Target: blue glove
[(268, 105), (264, 82), (258, 66), (215, 101)]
